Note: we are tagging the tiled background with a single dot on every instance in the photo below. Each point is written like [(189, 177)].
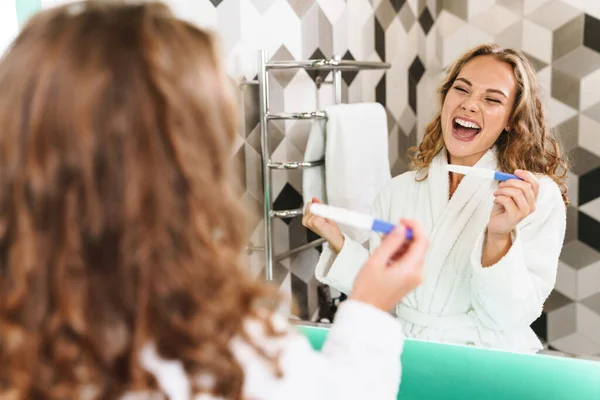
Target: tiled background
[(419, 38)]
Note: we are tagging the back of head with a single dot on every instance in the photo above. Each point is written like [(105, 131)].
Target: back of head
[(119, 224)]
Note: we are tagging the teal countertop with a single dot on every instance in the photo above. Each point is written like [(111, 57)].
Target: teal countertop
[(438, 371)]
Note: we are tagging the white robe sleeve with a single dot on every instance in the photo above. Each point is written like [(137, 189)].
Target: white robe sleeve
[(359, 360), (340, 270), (509, 295)]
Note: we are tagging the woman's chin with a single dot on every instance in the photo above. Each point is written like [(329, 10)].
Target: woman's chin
[(461, 150), (459, 147)]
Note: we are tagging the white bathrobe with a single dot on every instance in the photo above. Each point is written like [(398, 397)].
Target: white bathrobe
[(459, 301), (359, 360)]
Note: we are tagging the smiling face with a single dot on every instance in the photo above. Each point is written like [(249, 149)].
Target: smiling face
[(477, 108)]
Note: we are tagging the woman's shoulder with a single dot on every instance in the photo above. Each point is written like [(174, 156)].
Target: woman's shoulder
[(402, 181), (395, 191), (268, 337), (549, 192)]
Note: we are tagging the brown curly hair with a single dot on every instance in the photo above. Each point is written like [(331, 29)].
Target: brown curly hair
[(120, 223), (529, 145)]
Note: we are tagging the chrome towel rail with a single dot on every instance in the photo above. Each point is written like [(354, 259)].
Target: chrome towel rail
[(335, 64)]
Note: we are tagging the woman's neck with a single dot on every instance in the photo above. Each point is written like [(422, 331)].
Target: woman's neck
[(454, 179)]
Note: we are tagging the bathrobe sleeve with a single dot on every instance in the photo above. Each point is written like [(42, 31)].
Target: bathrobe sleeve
[(359, 360), (339, 270), (509, 295)]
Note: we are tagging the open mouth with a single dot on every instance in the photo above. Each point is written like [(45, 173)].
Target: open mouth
[(464, 129)]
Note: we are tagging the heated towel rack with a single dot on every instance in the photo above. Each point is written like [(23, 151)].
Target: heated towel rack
[(336, 65)]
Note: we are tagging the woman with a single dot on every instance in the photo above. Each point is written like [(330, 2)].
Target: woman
[(121, 230), (494, 246)]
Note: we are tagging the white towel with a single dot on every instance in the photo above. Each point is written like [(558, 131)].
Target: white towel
[(313, 179), (356, 159)]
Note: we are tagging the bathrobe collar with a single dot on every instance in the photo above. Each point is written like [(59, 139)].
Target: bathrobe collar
[(451, 216)]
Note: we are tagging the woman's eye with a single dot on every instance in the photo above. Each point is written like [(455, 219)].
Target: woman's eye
[(493, 100), (458, 88)]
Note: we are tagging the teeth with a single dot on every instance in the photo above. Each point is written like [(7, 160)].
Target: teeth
[(466, 124)]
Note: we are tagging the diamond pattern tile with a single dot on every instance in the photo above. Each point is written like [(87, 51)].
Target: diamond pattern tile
[(592, 209), (593, 303), (579, 271), (379, 40), (301, 7), (385, 14), (568, 37), (360, 17), (397, 4), (495, 19), (407, 18), (288, 199), (515, 6), (593, 112), (583, 162), (588, 230), (554, 14), (317, 34), (565, 88), (537, 41), (589, 134), (568, 131), (348, 76), (512, 36), (591, 28), (561, 322), (456, 7), (426, 20), (572, 221), (263, 5)]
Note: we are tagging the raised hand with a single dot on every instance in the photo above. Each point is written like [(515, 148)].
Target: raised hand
[(514, 201), (328, 230)]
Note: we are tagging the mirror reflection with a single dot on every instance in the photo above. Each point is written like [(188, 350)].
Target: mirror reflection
[(424, 199), (495, 241)]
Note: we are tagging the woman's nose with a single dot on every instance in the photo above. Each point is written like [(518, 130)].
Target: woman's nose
[(470, 105)]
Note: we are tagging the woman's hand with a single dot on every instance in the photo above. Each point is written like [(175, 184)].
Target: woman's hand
[(514, 201), (394, 269), (328, 230)]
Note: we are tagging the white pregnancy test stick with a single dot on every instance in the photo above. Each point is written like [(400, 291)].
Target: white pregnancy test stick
[(354, 219), (481, 172)]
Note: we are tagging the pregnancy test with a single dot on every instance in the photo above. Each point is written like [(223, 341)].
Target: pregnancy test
[(354, 219), (482, 173)]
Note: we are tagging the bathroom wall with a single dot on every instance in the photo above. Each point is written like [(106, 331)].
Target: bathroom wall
[(562, 39), (384, 30)]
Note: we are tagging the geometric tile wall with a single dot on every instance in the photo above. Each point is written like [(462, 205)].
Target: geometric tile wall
[(384, 30), (360, 30), (419, 38)]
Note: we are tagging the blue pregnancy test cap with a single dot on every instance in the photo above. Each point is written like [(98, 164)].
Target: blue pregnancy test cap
[(386, 227)]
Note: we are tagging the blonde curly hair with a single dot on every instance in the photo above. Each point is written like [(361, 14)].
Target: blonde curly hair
[(529, 145)]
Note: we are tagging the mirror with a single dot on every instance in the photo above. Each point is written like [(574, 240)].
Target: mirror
[(565, 322), (420, 40)]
